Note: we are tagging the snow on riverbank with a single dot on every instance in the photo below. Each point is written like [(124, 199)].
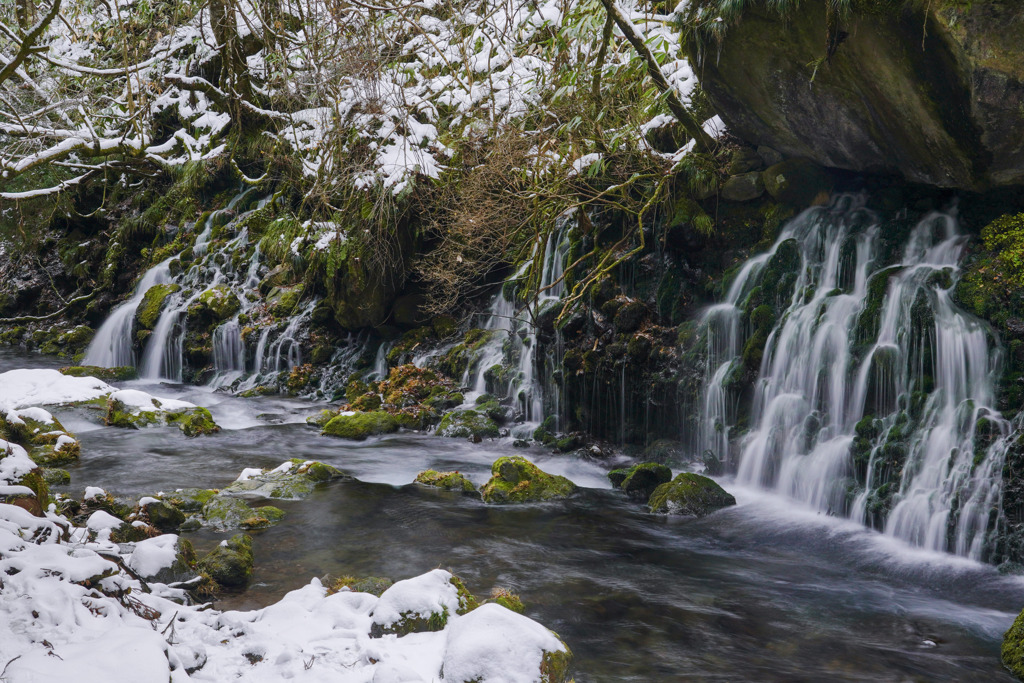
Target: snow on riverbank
[(69, 611)]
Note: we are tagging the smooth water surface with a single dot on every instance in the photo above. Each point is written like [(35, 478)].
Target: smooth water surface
[(765, 591)]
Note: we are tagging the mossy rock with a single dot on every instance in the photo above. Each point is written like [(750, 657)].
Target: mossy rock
[(629, 316), (163, 515), (374, 585), (282, 301), (230, 563), (194, 421), (359, 426), (640, 481), (1013, 647), (449, 481), (119, 374), (293, 482), (148, 312), (467, 424), (690, 494), (190, 500), (42, 435), (214, 306), (56, 477), (184, 566), (514, 479)]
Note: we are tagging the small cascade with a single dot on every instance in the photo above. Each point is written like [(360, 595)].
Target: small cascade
[(113, 346), (212, 272), (873, 389), (514, 340)]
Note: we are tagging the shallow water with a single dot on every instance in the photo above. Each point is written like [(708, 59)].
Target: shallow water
[(765, 591)]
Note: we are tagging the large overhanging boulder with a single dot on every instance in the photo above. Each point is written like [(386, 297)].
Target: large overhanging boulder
[(935, 94)]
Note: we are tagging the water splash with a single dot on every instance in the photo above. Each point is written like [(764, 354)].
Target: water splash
[(873, 385)]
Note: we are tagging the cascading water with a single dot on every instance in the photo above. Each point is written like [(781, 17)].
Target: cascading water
[(113, 345), (514, 335), (873, 387)]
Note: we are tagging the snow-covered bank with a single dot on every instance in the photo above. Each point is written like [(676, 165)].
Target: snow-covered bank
[(70, 611)]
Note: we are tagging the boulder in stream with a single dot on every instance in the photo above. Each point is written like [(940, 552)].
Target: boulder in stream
[(517, 480), (231, 562), (691, 495), (640, 481), (290, 480), (467, 424), (449, 481)]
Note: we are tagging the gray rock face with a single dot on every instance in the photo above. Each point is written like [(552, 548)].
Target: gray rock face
[(935, 94), (744, 187)]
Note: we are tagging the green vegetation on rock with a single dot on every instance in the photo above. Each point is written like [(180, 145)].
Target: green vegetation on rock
[(230, 563), (514, 479), (120, 374), (359, 426), (690, 494), (640, 481), (449, 481), (467, 424), (152, 303)]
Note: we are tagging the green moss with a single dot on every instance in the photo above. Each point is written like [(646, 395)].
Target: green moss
[(119, 374), (230, 564), (190, 500), (214, 306), (690, 494), (152, 303), (292, 483), (449, 481), (514, 479), (1013, 647), (374, 585), (554, 666), (641, 480), (194, 421), (56, 477), (467, 424), (362, 425)]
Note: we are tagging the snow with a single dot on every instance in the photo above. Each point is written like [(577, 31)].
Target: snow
[(248, 473), (27, 388), (139, 401), (421, 597), (62, 441), (492, 643), (153, 554), (92, 492), (100, 520), (61, 622)]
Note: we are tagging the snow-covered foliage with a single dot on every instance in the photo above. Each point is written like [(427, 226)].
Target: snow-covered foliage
[(70, 609), (372, 96)]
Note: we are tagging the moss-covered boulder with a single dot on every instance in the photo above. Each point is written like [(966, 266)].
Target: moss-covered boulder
[(360, 426), (135, 410), (292, 480), (151, 305), (118, 374), (640, 481), (449, 481), (691, 495), (230, 563), (214, 306), (514, 479), (162, 515), (227, 512), (420, 604), (1013, 647), (148, 553), (374, 585), (467, 424), (41, 434), (189, 500)]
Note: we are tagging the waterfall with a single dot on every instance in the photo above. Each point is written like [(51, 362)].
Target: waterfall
[(514, 335), (872, 385), (113, 345)]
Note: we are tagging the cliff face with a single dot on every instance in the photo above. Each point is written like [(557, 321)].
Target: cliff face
[(936, 95)]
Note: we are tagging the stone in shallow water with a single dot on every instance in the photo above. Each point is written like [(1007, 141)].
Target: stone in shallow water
[(231, 562), (640, 481), (517, 480), (690, 494), (291, 481), (467, 424), (449, 481)]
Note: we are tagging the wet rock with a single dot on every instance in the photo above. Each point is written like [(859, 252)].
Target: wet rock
[(151, 305), (640, 481), (214, 306), (744, 160), (163, 516), (514, 479), (189, 500), (449, 481), (467, 424), (227, 512), (292, 480), (629, 316), (1013, 647), (231, 562), (744, 187), (797, 182), (769, 156), (135, 410), (149, 559), (359, 426), (421, 604), (119, 374), (691, 495)]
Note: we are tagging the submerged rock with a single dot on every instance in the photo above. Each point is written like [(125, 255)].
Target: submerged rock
[(231, 562), (449, 481), (690, 494), (517, 480), (291, 480), (467, 424)]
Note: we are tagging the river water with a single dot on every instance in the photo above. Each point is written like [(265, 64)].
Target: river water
[(765, 591)]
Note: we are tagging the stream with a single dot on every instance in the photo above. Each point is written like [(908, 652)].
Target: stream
[(769, 590)]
